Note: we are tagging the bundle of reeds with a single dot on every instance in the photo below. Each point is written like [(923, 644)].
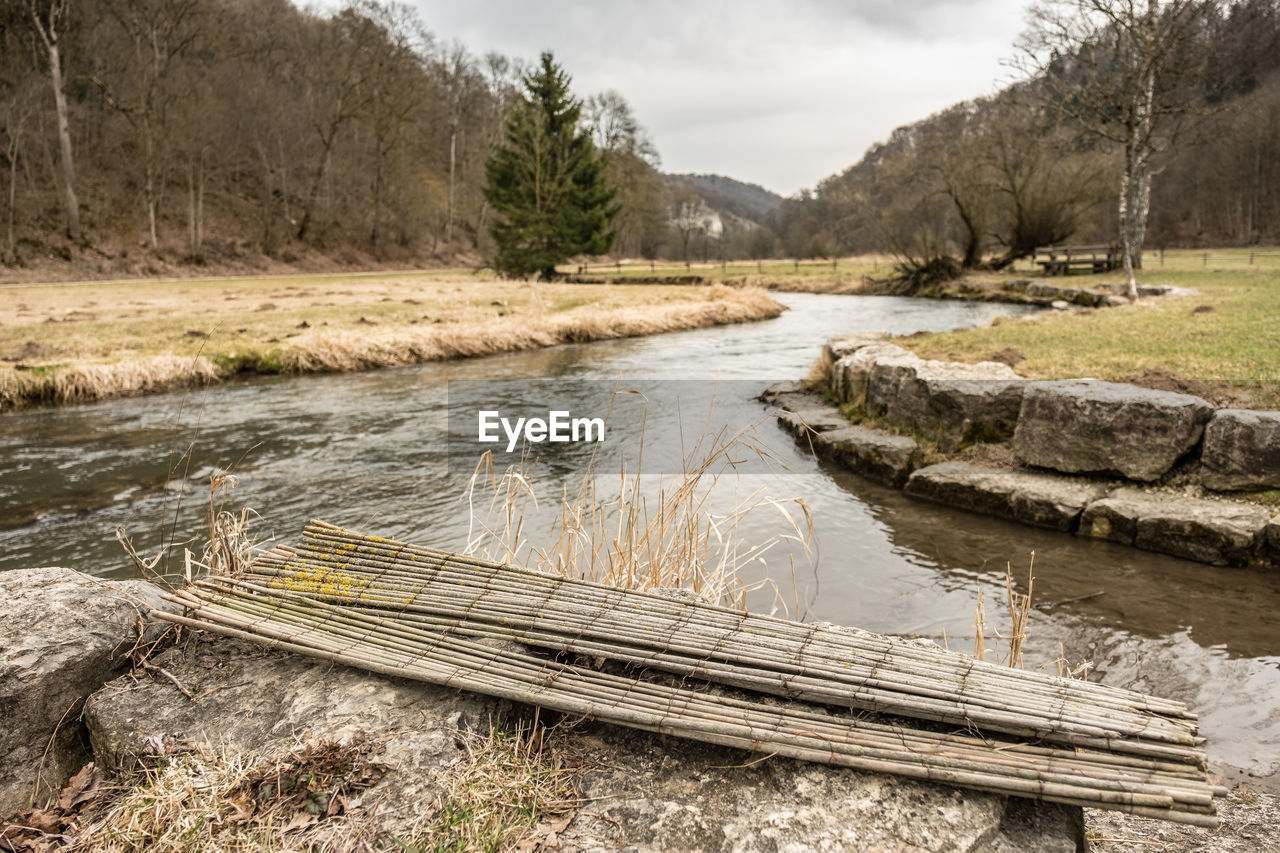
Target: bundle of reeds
[(419, 613)]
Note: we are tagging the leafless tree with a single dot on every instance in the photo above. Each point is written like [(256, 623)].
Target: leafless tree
[(1125, 71), (48, 17)]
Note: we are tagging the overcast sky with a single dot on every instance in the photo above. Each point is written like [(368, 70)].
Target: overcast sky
[(779, 94)]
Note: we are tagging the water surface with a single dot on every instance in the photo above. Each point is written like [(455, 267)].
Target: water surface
[(367, 450)]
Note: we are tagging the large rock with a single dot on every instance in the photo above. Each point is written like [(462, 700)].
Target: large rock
[(62, 636), (875, 454), (851, 374), (951, 402), (839, 347), (644, 792), (1087, 426), (1219, 532), (1041, 500), (1241, 450), (1273, 541), (957, 404)]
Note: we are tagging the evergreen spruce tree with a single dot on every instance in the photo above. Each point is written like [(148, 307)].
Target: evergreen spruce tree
[(548, 182)]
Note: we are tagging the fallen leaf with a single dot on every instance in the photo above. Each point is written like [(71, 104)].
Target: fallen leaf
[(83, 787), (301, 820)]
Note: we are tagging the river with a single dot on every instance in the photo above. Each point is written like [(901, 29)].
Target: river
[(367, 450)]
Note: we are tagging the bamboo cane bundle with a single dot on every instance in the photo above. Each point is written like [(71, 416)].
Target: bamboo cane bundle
[(417, 613), (816, 663)]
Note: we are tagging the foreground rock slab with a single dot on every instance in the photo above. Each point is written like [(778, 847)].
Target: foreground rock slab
[(1242, 450), (1217, 532), (1040, 500), (644, 792), (654, 795), (1083, 426), (62, 636)]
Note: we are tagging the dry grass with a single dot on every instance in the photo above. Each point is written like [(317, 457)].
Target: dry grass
[(75, 343), (647, 535), (194, 802), (1019, 606), (516, 789)]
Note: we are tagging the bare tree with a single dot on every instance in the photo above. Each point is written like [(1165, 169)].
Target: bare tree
[(1124, 70), (48, 17), (139, 82)]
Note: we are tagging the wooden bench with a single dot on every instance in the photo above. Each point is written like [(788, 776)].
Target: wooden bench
[(1063, 260)]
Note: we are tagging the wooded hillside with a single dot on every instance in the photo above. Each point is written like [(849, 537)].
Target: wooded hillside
[(996, 176), (205, 130)]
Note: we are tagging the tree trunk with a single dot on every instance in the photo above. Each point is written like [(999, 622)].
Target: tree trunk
[(314, 192), (69, 199), (453, 160), (149, 183), (1135, 182)]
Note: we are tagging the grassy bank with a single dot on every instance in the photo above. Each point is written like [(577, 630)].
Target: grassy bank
[(1223, 341), (88, 341)]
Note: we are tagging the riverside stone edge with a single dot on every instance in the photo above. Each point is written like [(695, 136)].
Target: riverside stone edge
[(1068, 432)]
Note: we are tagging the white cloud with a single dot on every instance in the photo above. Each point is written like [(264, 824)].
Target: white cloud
[(781, 95)]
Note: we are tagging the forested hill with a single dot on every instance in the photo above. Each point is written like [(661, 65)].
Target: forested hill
[(748, 201), (996, 175), (250, 132)]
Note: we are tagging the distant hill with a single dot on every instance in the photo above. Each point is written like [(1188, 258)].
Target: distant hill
[(746, 201)]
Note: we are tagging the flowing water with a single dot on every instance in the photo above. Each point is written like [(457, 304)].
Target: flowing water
[(369, 451)]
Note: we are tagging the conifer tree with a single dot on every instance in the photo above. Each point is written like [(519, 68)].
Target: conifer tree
[(548, 182)]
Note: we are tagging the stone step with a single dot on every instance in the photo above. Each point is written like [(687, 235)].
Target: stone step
[(879, 456), (1041, 500), (1209, 531)]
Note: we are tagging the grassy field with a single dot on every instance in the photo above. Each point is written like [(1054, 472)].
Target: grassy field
[(1225, 336), (85, 341)]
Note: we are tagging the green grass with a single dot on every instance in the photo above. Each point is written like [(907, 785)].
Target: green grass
[(1238, 341)]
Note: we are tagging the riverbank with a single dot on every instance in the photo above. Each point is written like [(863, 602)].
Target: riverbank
[(1217, 337), (1162, 471), (68, 343)]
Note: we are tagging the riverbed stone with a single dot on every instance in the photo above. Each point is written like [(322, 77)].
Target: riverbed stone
[(63, 635), (1073, 295), (1241, 450), (1223, 533), (875, 454), (643, 791), (1088, 426), (958, 404), (1040, 500)]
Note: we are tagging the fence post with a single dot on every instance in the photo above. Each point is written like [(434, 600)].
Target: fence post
[(834, 261), (759, 265), (1251, 259), (1162, 257), (797, 265), (650, 265), (1206, 259)]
